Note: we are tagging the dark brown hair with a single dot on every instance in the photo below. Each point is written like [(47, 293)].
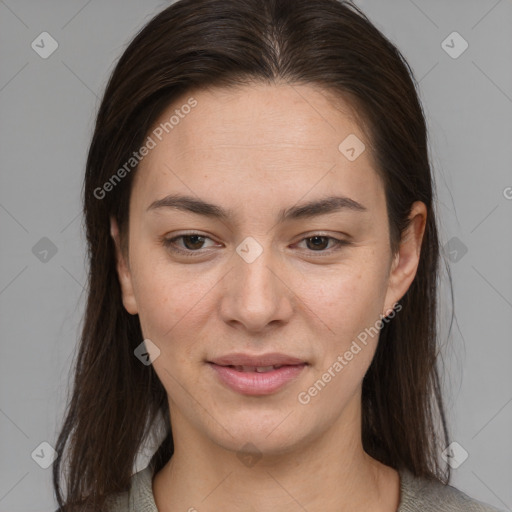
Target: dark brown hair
[(330, 44)]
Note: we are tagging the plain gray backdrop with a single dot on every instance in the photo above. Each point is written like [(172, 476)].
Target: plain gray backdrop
[(47, 108)]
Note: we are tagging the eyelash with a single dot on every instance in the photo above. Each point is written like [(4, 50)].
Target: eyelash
[(169, 244)]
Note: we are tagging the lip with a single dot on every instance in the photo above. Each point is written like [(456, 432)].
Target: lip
[(271, 359), (257, 383)]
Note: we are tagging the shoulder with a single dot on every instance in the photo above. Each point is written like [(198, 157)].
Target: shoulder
[(422, 495), (140, 496), (416, 495)]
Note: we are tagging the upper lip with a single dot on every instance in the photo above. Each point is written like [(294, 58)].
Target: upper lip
[(240, 359)]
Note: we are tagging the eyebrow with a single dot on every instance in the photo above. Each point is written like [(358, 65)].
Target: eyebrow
[(322, 206)]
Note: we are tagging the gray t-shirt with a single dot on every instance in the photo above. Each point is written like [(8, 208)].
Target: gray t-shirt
[(416, 495)]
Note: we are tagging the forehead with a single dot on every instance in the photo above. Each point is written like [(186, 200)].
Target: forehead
[(256, 137), (260, 117)]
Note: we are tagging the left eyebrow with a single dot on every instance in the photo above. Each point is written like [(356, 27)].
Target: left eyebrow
[(331, 204), (313, 208)]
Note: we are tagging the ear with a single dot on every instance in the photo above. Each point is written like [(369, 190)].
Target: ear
[(405, 262), (123, 271)]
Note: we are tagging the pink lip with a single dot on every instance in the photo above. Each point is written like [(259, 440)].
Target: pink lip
[(255, 383)]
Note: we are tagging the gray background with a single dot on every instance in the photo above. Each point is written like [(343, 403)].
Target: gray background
[(47, 111)]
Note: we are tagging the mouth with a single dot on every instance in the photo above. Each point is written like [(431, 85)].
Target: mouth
[(260, 375), (258, 369), (257, 361)]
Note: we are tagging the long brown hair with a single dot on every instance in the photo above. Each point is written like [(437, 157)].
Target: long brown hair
[(116, 400)]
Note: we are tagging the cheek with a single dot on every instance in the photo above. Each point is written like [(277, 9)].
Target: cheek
[(155, 290), (171, 301), (351, 300), (350, 306)]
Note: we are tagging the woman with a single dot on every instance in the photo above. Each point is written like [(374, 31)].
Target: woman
[(263, 263)]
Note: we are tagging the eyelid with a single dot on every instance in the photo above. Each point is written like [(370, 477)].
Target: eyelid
[(338, 243), (169, 241)]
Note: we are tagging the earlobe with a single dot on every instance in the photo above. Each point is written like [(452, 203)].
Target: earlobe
[(123, 271), (406, 261)]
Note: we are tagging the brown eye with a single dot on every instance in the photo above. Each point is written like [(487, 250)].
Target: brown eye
[(190, 243), (320, 243), (317, 242)]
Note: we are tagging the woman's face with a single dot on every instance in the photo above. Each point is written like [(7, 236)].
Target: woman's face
[(267, 277)]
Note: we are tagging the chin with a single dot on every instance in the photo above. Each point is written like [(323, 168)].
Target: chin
[(252, 434)]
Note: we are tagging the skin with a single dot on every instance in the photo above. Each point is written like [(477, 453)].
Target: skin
[(257, 149)]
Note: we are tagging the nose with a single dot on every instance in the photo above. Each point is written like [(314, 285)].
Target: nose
[(256, 293)]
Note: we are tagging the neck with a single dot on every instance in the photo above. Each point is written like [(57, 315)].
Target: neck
[(329, 473)]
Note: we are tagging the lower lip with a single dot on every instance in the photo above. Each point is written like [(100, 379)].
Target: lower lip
[(254, 383)]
